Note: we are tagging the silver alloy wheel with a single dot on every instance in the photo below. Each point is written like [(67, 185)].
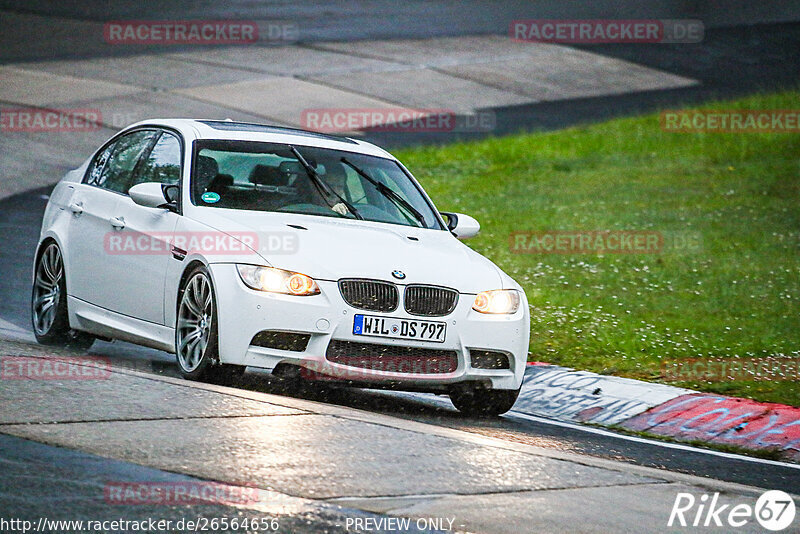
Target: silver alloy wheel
[(195, 316), (47, 289)]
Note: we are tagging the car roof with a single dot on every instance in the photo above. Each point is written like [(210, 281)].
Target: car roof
[(248, 131)]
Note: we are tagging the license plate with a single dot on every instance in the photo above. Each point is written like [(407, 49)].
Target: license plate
[(370, 325)]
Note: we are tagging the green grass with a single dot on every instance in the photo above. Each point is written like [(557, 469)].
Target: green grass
[(736, 295)]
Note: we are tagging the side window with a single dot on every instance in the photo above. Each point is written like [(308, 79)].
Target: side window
[(118, 170), (96, 167), (163, 165)]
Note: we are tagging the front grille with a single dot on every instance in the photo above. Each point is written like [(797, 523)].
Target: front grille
[(371, 295), (391, 358), (276, 339), (430, 301), (488, 359)]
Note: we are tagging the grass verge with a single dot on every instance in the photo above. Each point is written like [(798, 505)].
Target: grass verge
[(726, 283)]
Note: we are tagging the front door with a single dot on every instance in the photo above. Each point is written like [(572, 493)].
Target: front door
[(142, 252)]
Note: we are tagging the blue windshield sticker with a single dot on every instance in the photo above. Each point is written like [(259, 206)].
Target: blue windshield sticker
[(210, 198)]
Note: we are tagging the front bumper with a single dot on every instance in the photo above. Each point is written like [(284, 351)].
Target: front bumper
[(242, 313)]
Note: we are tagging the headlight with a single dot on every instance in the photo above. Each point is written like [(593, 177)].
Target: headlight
[(277, 280), (497, 301)]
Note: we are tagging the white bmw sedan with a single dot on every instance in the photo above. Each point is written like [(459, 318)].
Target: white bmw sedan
[(233, 245)]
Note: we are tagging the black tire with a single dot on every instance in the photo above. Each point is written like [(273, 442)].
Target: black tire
[(49, 313), (477, 401), (201, 363)]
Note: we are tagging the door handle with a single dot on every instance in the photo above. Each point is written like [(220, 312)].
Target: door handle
[(117, 222), (76, 208)]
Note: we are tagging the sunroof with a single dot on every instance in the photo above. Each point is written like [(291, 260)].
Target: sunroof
[(233, 126)]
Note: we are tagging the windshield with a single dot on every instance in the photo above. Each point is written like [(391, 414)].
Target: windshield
[(258, 176)]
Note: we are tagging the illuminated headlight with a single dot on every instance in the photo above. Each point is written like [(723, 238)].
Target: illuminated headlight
[(497, 301), (277, 280)]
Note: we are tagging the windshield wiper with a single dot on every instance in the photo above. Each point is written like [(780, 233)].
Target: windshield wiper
[(388, 192), (323, 188)]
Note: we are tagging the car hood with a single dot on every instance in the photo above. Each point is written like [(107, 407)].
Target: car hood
[(332, 248)]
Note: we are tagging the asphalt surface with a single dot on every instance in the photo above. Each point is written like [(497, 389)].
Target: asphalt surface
[(20, 218), (52, 484), (313, 465), (386, 19), (730, 62), (360, 19)]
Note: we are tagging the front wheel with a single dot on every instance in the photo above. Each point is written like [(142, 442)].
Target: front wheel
[(472, 400), (49, 304), (196, 333)]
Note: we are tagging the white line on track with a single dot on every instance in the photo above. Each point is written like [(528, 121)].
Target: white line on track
[(611, 434)]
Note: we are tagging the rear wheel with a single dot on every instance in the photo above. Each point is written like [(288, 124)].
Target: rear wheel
[(470, 399), (196, 333), (49, 304)]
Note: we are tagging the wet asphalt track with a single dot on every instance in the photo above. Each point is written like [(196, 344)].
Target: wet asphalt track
[(731, 62), (20, 218)]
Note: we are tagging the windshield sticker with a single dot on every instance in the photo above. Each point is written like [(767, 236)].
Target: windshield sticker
[(210, 198)]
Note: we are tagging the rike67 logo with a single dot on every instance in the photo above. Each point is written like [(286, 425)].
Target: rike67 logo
[(774, 510)]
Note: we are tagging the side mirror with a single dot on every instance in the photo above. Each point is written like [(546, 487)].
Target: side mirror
[(152, 195), (172, 193), (460, 225)]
